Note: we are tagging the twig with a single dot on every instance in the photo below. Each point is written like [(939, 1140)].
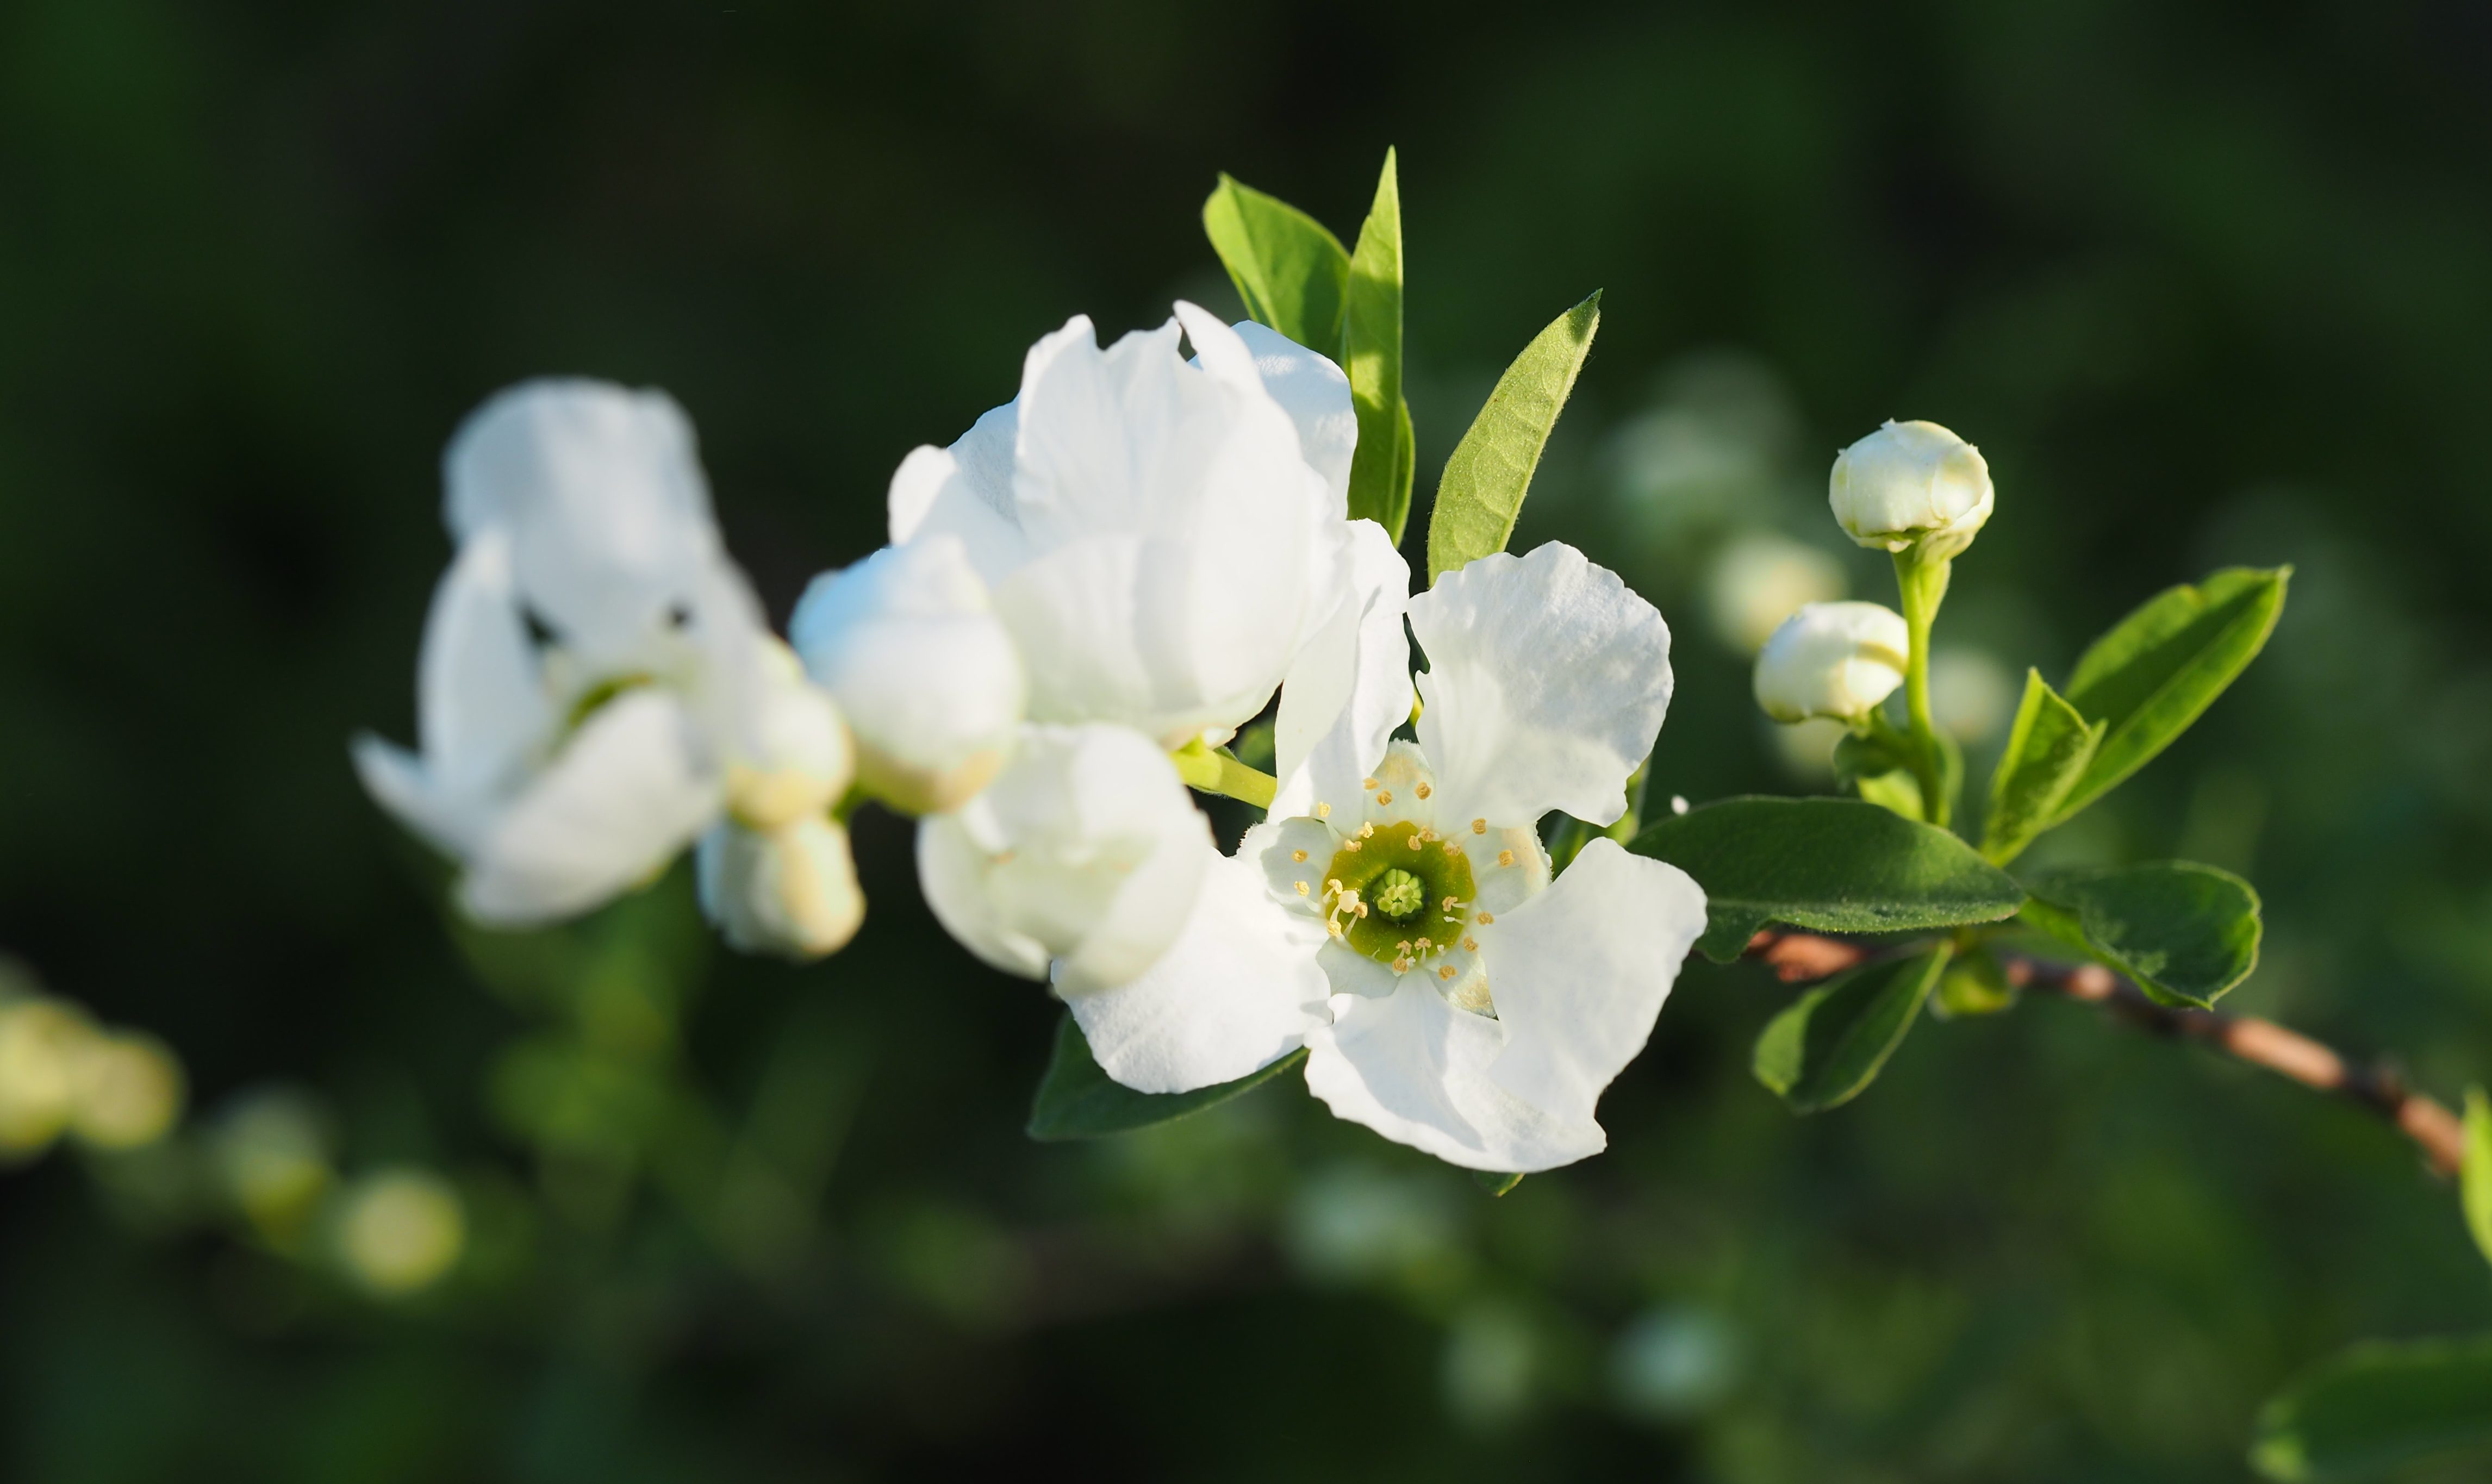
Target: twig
[(2260, 1043)]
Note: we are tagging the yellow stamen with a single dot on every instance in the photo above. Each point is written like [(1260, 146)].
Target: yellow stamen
[(1469, 944), (1384, 796), (1425, 790), (1445, 972), (1323, 810), (1478, 827), (1505, 857), (1367, 783), (1302, 888), (1485, 918), (1299, 856)]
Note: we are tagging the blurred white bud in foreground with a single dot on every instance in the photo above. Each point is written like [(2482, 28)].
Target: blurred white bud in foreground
[(776, 875), (400, 1231), (1971, 693), (1837, 659), (1760, 580), (1087, 853), (127, 1093), (909, 644), (1911, 484), (61, 1074)]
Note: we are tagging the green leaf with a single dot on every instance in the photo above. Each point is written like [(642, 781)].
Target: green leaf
[(2474, 1172), (2162, 666), (2185, 932), (1490, 471), (2048, 749), (1975, 985), (1828, 1046), (1292, 273), (1832, 864), (1380, 483), (2378, 1406), (1076, 1100), (1494, 1183)]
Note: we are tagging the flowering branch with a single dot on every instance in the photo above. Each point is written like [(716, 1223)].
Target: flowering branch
[(1800, 957)]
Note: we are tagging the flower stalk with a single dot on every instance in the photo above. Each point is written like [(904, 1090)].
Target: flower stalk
[(1922, 581), (1208, 769)]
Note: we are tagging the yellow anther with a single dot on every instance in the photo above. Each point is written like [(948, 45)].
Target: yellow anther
[(1445, 972), (1302, 888), (1447, 904), (1367, 783), (1005, 857), (1413, 842), (1485, 918), (1425, 790), (1425, 945), (1365, 830), (1385, 795), (1323, 810), (1471, 944), (1298, 856), (1361, 906), (1334, 885), (1352, 845), (1478, 827), (1505, 857)]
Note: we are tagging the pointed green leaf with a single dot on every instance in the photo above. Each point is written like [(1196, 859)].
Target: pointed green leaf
[(2474, 1172), (1292, 273), (1833, 865), (1495, 1183), (2376, 1407), (1490, 471), (1828, 1046), (2048, 749), (1076, 1100), (2185, 932), (2161, 668), (1372, 350)]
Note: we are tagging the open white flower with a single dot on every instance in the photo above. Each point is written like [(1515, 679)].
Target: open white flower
[(776, 875), (923, 669), (1837, 659), (1478, 1008), (1161, 537), (587, 677), (1911, 484)]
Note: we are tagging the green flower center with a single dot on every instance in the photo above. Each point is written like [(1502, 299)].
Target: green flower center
[(1398, 894)]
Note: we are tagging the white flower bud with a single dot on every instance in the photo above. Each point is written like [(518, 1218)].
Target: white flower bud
[(1085, 853), (797, 760), (1834, 659), (791, 891), (930, 681), (1911, 484)]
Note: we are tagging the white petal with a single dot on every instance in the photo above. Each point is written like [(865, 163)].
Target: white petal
[(1580, 971), (791, 891), (800, 761), (922, 666), (1416, 1070), (626, 792), (1276, 846), (1238, 990), (399, 781), (1350, 685), (1547, 681), (480, 706), (1316, 395), (604, 500), (963, 492), (1086, 850)]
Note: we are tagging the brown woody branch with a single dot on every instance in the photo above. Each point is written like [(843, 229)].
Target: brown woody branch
[(1797, 957)]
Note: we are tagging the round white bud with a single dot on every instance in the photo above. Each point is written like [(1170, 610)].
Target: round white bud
[(1834, 659), (928, 677), (1911, 484), (791, 891)]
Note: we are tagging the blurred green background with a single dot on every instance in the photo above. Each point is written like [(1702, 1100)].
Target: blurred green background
[(2209, 283)]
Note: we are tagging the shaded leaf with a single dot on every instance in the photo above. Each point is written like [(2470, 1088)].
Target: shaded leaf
[(2048, 749), (1828, 1046), (1292, 273), (1490, 470), (1380, 483), (2185, 932), (2161, 668), (1496, 1184), (1076, 1100), (2475, 1170), (2376, 1407), (1833, 865)]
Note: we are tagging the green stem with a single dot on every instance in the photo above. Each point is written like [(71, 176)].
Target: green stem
[(1212, 771), (1923, 583)]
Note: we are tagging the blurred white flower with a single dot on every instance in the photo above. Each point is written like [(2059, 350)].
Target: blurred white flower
[(1760, 580), (1476, 1010), (400, 1231), (910, 644), (1806, 748), (587, 680), (1837, 659), (42, 1045), (775, 875), (1082, 859), (127, 1092), (1971, 693), (1911, 484)]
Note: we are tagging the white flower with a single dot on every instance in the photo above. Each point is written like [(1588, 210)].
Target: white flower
[(1161, 537), (1084, 856), (1478, 1008), (909, 642), (588, 673), (1837, 659), (1911, 484), (776, 875)]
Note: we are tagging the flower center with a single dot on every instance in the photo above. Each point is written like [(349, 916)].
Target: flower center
[(1398, 893)]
